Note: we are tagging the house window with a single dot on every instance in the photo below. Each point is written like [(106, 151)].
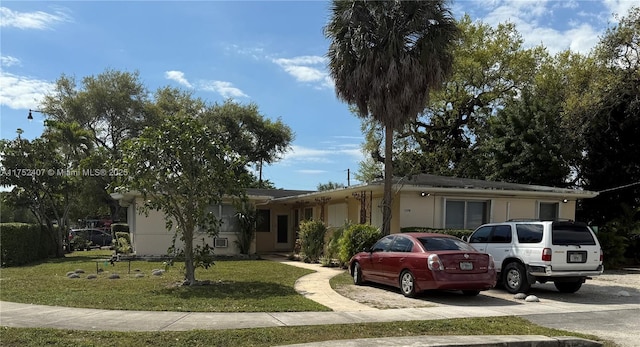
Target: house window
[(462, 214), (263, 221), (548, 211), (227, 215)]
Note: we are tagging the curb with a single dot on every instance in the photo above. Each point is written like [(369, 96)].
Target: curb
[(460, 341)]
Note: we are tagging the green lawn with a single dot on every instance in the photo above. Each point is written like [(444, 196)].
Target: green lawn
[(20, 337), (236, 286)]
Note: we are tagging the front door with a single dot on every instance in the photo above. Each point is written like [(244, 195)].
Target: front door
[(283, 229)]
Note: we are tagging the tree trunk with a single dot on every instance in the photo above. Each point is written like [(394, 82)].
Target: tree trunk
[(388, 180), (190, 271)]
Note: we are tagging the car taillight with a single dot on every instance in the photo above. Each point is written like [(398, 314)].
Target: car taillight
[(492, 265), (546, 254), (601, 255), (434, 263)]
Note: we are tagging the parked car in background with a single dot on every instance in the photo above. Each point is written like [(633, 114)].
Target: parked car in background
[(89, 238), (563, 252), (415, 262)]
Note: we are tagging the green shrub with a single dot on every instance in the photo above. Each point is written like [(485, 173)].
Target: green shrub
[(332, 250), (459, 233), (312, 239), (22, 243), (123, 243), (355, 238), (613, 247), (247, 217)]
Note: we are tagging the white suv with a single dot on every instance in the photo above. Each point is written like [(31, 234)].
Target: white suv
[(566, 253)]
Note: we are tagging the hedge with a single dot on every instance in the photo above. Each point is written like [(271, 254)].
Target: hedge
[(22, 243)]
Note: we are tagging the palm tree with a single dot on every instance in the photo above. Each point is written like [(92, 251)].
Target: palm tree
[(385, 57)]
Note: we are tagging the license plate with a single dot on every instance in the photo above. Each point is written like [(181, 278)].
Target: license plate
[(576, 257), (466, 266)]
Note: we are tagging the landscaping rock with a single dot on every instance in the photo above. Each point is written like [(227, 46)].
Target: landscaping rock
[(92, 277), (520, 296), (79, 271), (157, 272), (139, 275), (73, 275), (623, 293), (531, 298), (114, 276)]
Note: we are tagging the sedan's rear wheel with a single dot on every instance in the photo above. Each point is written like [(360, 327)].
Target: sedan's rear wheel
[(357, 274), (407, 284)]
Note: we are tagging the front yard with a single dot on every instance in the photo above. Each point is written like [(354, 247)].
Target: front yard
[(235, 286)]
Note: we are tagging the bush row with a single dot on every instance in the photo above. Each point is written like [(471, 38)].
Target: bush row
[(24, 243), (319, 244)]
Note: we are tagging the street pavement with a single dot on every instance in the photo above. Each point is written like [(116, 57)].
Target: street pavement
[(617, 321)]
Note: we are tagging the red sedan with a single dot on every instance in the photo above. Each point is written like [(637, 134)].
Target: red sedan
[(415, 262)]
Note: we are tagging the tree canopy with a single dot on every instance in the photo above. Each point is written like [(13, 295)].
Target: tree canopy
[(385, 58)]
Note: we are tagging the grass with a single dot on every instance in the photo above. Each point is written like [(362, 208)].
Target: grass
[(236, 286), (26, 337), (343, 279)]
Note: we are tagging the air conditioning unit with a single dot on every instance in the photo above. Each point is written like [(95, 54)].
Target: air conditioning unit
[(221, 243)]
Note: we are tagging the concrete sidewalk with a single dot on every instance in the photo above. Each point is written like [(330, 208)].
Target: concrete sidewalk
[(314, 286)]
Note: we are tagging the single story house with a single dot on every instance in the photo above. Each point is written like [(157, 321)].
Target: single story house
[(419, 201)]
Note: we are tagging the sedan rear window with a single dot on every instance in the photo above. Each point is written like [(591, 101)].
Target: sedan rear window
[(444, 244), (571, 234)]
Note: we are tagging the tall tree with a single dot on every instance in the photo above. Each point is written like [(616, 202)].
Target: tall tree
[(612, 144), (250, 133), (490, 68), (184, 168), (112, 107), (385, 58), (38, 174)]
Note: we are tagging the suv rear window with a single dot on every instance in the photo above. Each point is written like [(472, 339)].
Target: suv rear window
[(529, 233), (571, 234)]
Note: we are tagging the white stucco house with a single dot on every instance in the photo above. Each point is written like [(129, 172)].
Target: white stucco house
[(420, 201)]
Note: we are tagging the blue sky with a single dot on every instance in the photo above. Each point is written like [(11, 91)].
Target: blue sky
[(271, 53)]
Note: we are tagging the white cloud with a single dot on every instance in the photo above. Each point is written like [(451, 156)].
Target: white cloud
[(527, 15), (326, 155), (31, 20), (619, 7), (8, 61), (226, 89), (309, 69), (311, 172), (20, 92), (177, 76)]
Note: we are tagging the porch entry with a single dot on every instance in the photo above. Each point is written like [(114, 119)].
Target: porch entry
[(283, 229)]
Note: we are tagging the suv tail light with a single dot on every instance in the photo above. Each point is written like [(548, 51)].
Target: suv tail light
[(601, 255), (492, 265), (546, 254), (434, 263)]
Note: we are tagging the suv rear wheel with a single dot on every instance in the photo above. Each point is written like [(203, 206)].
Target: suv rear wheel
[(515, 279), (568, 287)]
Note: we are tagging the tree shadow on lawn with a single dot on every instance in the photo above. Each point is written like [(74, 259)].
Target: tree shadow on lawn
[(230, 290)]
